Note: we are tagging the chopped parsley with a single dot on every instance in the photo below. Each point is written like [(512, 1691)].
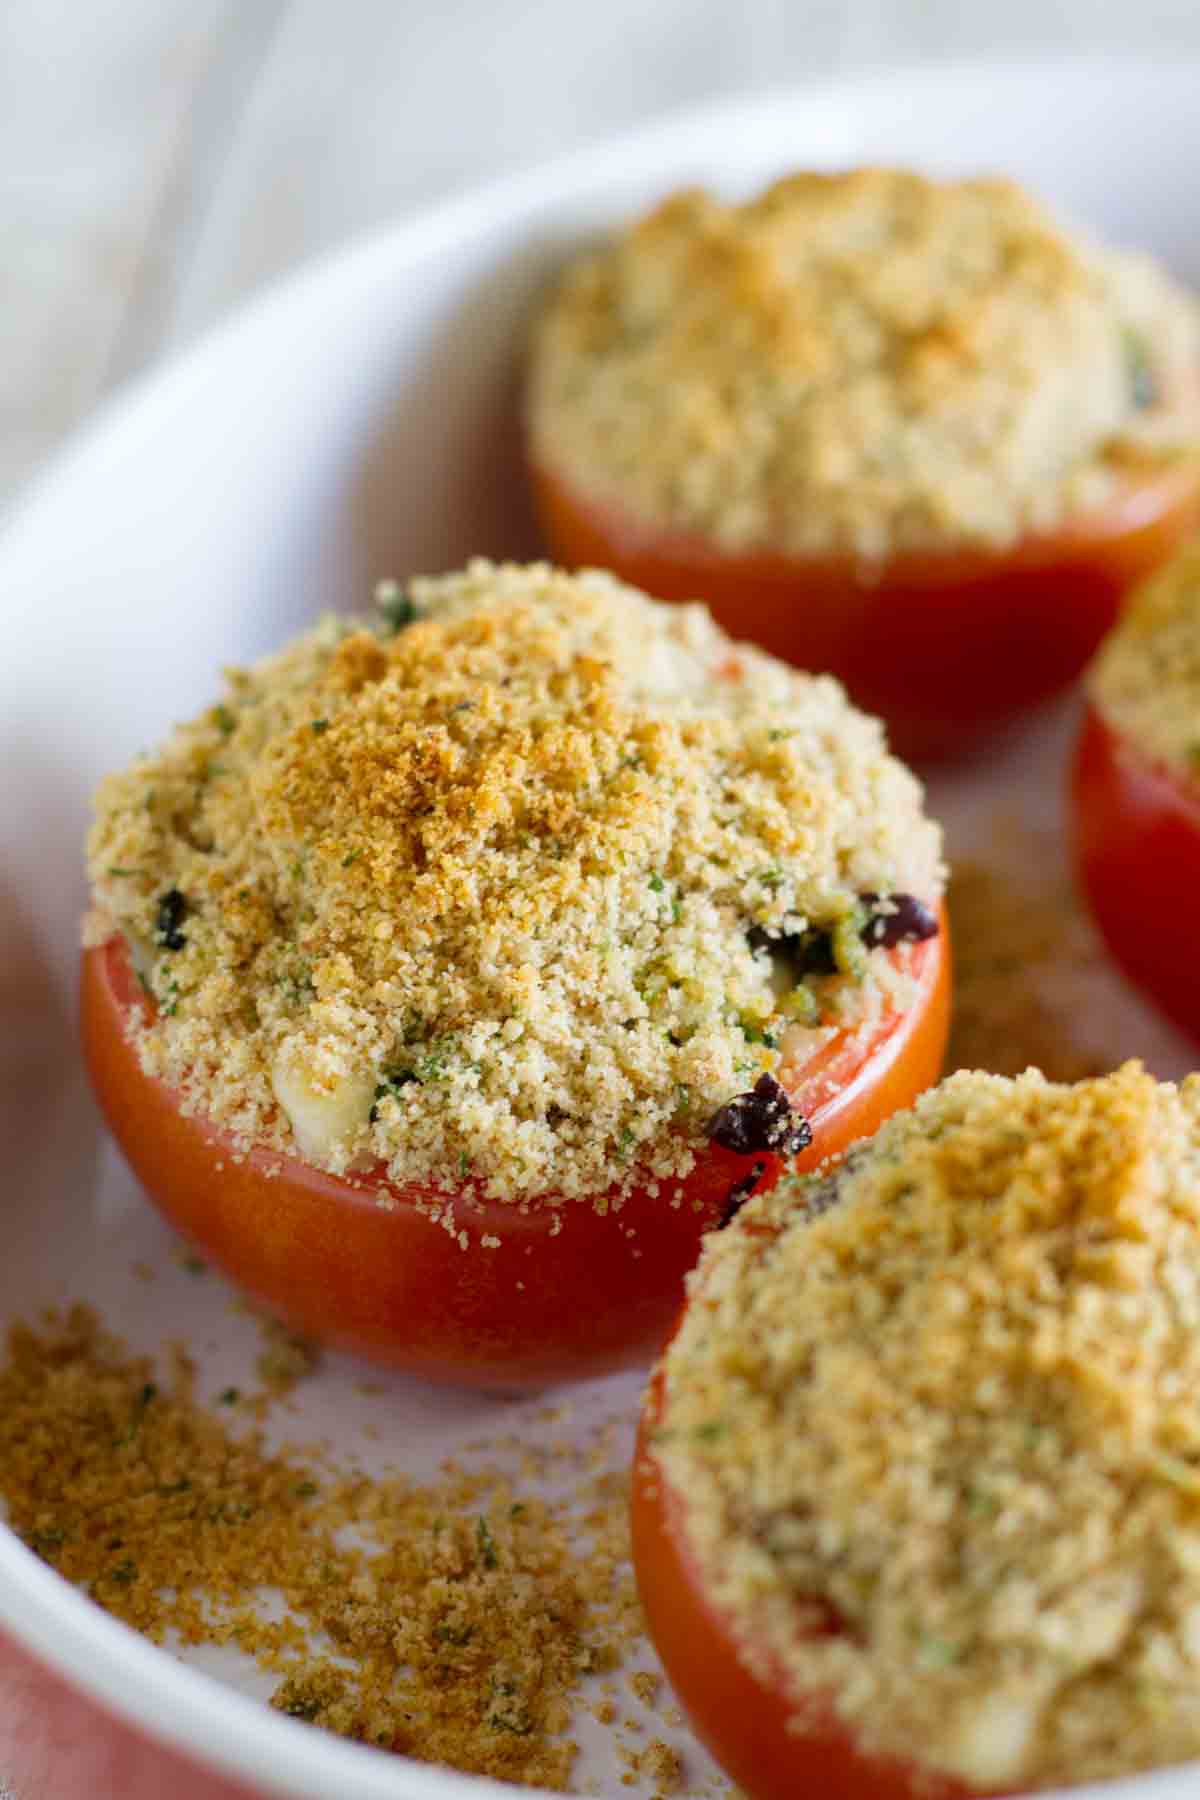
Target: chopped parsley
[(487, 1545), (396, 609)]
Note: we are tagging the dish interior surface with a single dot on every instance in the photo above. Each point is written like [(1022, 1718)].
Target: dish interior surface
[(362, 421)]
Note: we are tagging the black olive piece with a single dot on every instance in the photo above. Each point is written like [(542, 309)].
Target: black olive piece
[(761, 1119), (393, 1081), (739, 1193), (172, 910), (806, 952), (909, 921)]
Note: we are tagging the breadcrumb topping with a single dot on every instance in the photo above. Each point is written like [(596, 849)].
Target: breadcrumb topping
[(1146, 678), (866, 362), (944, 1394), (487, 887)]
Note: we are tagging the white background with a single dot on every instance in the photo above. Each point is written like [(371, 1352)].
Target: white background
[(161, 158)]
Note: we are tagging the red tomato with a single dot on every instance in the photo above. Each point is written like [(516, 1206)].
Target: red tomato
[(565, 1293), (1137, 851), (747, 1719), (947, 648)]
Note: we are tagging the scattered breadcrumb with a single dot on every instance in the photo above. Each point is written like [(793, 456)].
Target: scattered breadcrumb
[(287, 1357), (1023, 949), (943, 1395), (1146, 679), (868, 362), (454, 1620), (482, 888)]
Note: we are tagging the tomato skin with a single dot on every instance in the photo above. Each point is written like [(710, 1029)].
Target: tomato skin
[(1137, 853), (744, 1716), (947, 648), (563, 1296)]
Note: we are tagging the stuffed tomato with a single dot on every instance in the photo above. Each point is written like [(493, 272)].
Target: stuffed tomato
[(913, 1482), (909, 431), (449, 977)]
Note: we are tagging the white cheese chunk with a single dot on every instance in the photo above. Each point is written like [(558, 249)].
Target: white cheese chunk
[(325, 1111), (992, 1740)]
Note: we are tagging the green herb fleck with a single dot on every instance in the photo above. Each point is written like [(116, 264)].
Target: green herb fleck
[(802, 1004), (351, 856), (115, 871), (754, 1033), (304, 1490), (1139, 370), (320, 727), (657, 884), (487, 1545), (124, 1573), (390, 1083), (224, 720), (458, 1635), (849, 951), (230, 1397), (195, 1265), (395, 608), (935, 1652)]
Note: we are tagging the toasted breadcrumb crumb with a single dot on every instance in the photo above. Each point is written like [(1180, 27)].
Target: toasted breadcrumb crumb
[(866, 362), (957, 1406), (476, 896), (1146, 678), (287, 1357)]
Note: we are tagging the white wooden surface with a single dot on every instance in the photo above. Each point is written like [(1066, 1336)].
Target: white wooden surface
[(161, 158)]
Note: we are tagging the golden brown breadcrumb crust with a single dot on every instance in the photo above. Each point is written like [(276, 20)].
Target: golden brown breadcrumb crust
[(866, 362)]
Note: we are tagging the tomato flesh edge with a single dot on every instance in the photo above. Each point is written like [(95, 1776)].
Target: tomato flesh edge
[(948, 648), (772, 1744), (1136, 828), (563, 1294)]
